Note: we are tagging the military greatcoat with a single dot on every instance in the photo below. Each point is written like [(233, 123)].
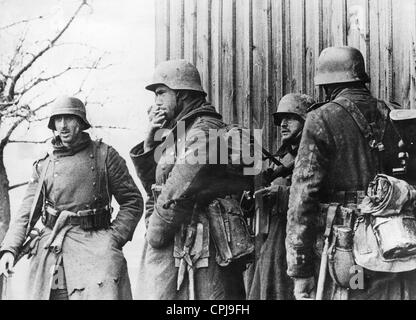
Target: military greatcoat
[(175, 205), (94, 264)]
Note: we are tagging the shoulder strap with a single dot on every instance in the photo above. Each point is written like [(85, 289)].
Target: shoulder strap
[(32, 218), (101, 152), (357, 116), (375, 142)]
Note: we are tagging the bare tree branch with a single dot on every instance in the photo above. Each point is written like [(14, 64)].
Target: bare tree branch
[(19, 22), (18, 185), (30, 141), (47, 48), (111, 127), (42, 106), (39, 119), (17, 53), (6, 76), (6, 138)]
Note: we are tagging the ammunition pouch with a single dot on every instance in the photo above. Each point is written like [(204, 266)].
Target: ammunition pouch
[(229, 231), (88, 220)]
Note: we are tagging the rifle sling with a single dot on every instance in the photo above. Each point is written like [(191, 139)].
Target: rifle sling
[(32, 220)]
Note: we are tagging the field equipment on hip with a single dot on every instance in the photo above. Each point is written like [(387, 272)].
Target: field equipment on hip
[(229, 231), (388, 212)]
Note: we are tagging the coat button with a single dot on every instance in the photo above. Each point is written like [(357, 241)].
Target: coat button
[(94, 183), (55, 175), (91, 156), (92, 168)]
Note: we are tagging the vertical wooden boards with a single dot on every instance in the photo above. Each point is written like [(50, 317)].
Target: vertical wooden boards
[(334, 22), (203, 42), (176, 29), (243, 61), (298, 45), (375, 49), (357, 26), (215, 54), (162, 30), (190, 31), (412, 25), (278, 63), (313, 40), (252, 52), (228, 61), (287, 45), (386, 49), (403, 15), (262, 97)]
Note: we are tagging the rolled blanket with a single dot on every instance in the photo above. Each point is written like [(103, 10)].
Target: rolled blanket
[(390, 209), (387, 196)]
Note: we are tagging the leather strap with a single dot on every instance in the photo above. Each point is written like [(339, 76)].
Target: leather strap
[(32, 218), (330, 217), (375, 142), (357, 116)]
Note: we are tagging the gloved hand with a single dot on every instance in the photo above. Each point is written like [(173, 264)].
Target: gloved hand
[(304, 288), (269, 191)]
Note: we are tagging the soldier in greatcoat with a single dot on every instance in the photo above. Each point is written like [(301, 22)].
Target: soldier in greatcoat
[(346, 141), (78, 252), (270, 281), (178, 263)]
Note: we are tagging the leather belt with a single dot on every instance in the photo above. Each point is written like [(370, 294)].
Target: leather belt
[(345, 197), (92, 219)]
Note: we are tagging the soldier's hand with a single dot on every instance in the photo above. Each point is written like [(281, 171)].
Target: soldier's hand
[(6, 264), (266, 192), (304, 288), (157, 119)]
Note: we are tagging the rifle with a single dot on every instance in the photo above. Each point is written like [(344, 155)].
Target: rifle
[(269, 156), (332, 210)]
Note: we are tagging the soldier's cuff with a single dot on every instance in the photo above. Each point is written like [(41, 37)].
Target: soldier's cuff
[(159, 231), (144, 163)]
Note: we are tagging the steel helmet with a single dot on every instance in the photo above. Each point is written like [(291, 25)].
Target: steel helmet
[(340, 65), (177, 75), (68, 105), (293, 103)]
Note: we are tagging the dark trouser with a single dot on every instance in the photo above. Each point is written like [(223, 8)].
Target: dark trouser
[(59, 294), (59, 290)]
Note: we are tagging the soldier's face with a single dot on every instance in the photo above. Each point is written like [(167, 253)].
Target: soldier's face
[(166, 102), (290, 127), (68, 128)]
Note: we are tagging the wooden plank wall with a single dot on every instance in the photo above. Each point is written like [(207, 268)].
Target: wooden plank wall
[(252, 52)]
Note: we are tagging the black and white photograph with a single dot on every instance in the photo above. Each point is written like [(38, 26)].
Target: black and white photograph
[(230, 151)]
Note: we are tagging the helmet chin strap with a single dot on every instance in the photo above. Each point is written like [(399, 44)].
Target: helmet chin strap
[(294, 141)]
